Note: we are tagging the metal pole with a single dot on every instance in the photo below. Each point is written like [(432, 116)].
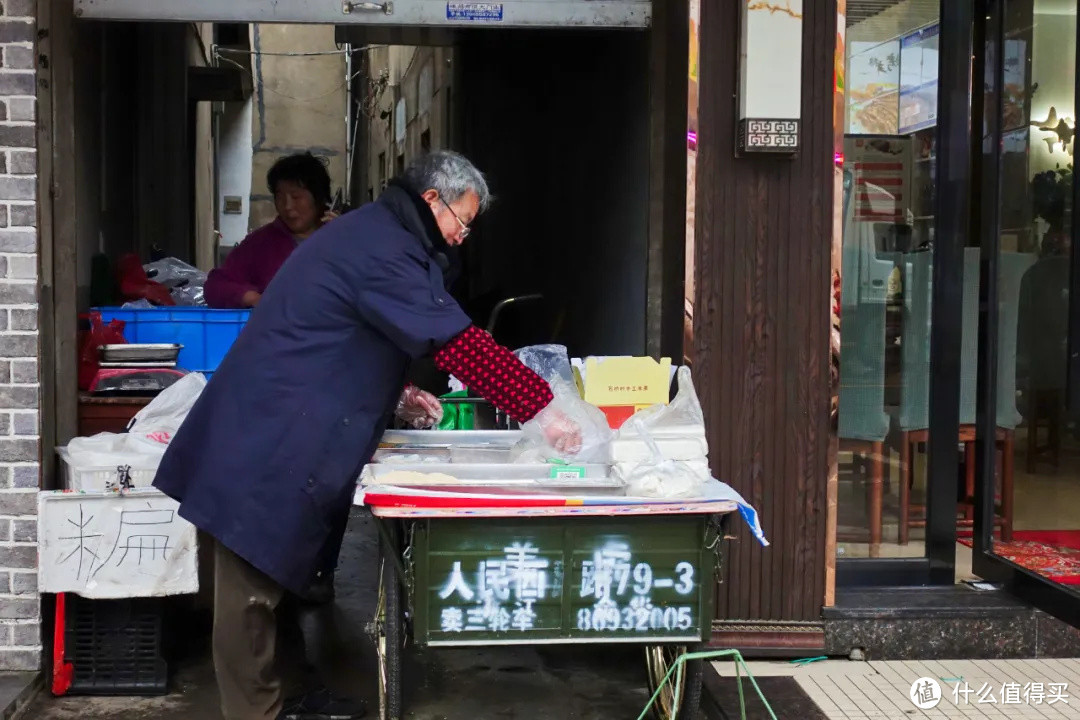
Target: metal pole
[(348, 122), (953, 184)]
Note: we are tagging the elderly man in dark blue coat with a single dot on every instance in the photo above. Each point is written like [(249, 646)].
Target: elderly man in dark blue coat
[(267, 459)]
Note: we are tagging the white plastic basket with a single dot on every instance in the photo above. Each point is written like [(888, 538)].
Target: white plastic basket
[(99, 477)]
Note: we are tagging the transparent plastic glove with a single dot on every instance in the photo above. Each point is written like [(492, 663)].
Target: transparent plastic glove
[(560, 432), (418, 408), (568, 428)]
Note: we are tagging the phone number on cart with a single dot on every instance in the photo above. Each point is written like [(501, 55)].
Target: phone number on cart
[(610, 619)]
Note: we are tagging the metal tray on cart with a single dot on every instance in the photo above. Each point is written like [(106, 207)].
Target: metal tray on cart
[(461, 454), (447, 446), (448, 438), (158, 353)]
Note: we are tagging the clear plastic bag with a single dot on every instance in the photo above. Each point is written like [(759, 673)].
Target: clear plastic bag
[(567, 405), (682, 416), (185, 282), (550, 362), (140, 304), (172, 272), (189, 295)]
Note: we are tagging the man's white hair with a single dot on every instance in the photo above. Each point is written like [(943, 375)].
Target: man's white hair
[(449, 173)]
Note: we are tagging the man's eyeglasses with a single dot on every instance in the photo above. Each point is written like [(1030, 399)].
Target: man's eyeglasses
[(465, 229)]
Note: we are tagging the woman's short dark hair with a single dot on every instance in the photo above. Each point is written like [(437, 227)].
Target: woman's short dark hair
[(304, 169)]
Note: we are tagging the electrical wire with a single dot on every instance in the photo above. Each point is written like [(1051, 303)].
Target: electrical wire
[(265, 87), (232, 62), (312, 53)]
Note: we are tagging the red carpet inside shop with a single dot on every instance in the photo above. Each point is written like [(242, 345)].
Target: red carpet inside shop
[(1054, 554)]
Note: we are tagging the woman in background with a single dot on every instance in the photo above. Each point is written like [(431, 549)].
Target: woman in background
[(300, 185)]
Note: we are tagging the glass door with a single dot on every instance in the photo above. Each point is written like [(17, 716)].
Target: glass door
[(1027, 265), (901, 410)]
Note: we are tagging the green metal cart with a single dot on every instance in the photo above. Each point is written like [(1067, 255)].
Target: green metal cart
[(632, 574)]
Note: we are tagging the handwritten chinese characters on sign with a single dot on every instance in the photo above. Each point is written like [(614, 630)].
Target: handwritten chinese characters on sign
[(521, 591), (108, 545)]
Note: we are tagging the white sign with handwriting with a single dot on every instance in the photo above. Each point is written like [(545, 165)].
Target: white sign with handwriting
[(107, 545)]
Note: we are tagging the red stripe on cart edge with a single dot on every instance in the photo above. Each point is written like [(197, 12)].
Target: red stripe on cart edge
[(420, 501), (62, 671)]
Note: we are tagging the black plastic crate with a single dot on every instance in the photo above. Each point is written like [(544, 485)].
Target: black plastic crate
[(115, 647)]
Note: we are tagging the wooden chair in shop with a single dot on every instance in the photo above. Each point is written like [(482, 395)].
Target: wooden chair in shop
[(863, 424), (913, 416)]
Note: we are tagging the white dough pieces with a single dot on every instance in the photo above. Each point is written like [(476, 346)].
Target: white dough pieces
[(411, 477)]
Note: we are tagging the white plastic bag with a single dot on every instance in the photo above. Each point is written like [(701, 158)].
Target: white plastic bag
[(149, 432), (661, 452), (111, 450), (158, 422)]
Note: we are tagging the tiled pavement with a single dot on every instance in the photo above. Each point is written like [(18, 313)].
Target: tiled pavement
[(847, 690)]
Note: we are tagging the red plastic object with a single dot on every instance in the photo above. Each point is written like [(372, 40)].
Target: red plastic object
[(62, 671), (98, 335), (134, 284), (390, 499), (101, 377), (617, 414)]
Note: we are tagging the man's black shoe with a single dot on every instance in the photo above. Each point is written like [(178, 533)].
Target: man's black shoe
[(322, 705)]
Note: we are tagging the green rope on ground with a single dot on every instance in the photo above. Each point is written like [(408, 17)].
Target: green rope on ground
[(677, 668)]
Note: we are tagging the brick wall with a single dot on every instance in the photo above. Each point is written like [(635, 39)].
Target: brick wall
[(20, 621)]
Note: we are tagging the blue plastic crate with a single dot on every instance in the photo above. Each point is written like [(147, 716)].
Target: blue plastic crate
[(205, 334)]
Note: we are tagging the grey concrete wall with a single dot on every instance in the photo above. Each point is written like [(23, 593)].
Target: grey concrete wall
[(200, 38), (423, 77), (299, 105)]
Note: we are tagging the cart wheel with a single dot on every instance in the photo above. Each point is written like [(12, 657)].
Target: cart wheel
[(685, 695), (390, 640)]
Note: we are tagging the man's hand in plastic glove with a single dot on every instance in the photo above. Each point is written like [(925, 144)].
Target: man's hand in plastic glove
[(560, 432), (418, 408)]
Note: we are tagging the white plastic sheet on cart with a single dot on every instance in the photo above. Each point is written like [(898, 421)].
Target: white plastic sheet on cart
[(109, 545), (713, 489)]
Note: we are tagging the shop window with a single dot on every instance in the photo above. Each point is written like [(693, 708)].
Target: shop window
[(882, 264), (425, 141)]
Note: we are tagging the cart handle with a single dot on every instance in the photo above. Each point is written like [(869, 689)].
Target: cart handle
[(502, 306)]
